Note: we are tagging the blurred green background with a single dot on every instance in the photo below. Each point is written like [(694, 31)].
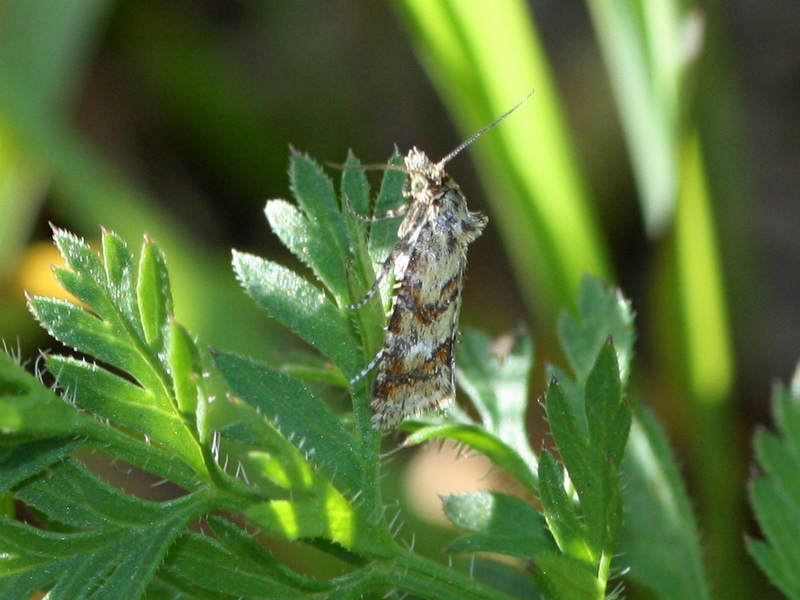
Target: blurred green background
[(660, 150)]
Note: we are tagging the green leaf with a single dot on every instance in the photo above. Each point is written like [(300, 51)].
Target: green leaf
[(660, 543), (186, 368), (106, 340), (121, 269), (776, 494), (787, 414), (22, 461), (231, 565), (603, 313), (198, 567), (500, 523), (298, 413), (592, 458), (154, 297), (383, 232), (369, 320), (114, 336), (779, 517), (127, 405), (355, 187), (316, 197), (312, 367), (301, 307), (325, 514), (303, 236), (368, 258), (111, 546), (129, 330), (779, 460), (71, 495), (563, 577), (29, 409), (243, 545), (496, 382), (315, 508), (505, 576), (560, 511), (87, 268)]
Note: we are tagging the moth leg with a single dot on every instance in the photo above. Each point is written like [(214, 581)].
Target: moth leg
[(368, 368), (386, 267), (389, 214), (392, 213)]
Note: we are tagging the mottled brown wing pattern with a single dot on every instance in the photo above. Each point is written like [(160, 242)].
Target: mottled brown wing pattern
[(417, 362)]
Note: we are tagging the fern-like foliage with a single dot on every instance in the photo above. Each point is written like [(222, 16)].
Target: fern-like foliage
[(775, 493), (256, 447)]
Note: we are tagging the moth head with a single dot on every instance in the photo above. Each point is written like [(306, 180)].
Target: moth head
[(421, 171), (417, 161)]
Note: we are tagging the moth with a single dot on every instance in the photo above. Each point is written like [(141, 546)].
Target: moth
[(416, 371)]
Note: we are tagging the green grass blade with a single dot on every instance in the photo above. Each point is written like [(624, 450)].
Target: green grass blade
[(43, 53), (647, 47), (710, 362), (483, 57)]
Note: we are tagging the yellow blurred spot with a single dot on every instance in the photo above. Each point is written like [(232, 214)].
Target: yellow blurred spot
[(35, 274), (436, 471)]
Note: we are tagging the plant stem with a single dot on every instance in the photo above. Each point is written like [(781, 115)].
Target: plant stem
[(427, 579)]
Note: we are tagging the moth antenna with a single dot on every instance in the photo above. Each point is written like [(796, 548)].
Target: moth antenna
[(491, 125)]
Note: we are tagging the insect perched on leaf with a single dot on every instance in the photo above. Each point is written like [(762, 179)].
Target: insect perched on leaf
[(417, 361)]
